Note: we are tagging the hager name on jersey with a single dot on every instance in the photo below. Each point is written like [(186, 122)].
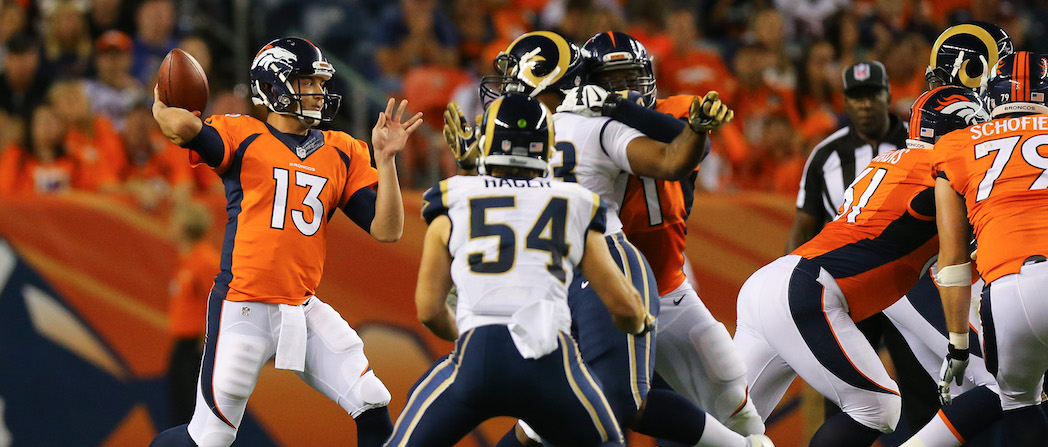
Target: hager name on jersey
[(516, 183)]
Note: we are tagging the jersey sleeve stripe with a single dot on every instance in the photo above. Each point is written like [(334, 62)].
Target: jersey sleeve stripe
[(435, 201)]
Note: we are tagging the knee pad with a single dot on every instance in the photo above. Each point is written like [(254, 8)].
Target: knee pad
[(720, 359), (333, 330), (366, 393), (723, 366), (239, 360)]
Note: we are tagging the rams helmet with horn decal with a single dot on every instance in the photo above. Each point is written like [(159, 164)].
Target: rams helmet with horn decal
[(535, 63), (965, 54)]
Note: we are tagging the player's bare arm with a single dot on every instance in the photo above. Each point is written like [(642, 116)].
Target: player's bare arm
[(434, 281), (954, 234), (674, 161), (178, 125), (617, 292), (805, 227), (388, 137)]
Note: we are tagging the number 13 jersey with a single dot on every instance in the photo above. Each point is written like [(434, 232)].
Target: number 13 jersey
[(281, 194)]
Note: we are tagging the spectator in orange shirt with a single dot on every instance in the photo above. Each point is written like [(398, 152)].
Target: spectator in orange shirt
[(819, 102), (45, 167), (187, 311), (155, 169), (91, 139), (758, 102), (905, 61), (693, 67)]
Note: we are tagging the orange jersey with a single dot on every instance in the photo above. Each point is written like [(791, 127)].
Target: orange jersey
[(22, 174), (281, 196), (187, 311), (884, 235), (98, 154), (654, 214), (1000, 168)]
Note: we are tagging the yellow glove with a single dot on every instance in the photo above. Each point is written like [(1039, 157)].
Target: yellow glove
[(460, 137), (708, 113)]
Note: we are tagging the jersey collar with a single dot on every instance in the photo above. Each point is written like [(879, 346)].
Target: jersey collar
[(314, 140)]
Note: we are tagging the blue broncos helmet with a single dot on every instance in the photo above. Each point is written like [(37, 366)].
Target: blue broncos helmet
[(940, 111), (517, 132), (277, 68), (620, 63), (1019, 85)]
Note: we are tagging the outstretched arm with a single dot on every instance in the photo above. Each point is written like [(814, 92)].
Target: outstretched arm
[(178, 125), (389, 136), (674, 161)]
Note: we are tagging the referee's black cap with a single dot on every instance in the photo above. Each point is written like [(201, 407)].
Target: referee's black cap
[(864, 75)]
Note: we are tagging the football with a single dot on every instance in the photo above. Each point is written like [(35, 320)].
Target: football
[(181, 82)]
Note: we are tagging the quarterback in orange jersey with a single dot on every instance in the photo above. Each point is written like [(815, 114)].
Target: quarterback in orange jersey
[(991, 178), (695, 355), (797, 315), (284, 181)]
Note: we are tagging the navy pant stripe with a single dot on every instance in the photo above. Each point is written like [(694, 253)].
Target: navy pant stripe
[(215, 302), (989, 332), (439, 379), (590, 389), (806, 305)]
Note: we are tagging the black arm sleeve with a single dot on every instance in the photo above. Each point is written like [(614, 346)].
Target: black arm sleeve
[(207, 143), (360, 208), (656, 125)]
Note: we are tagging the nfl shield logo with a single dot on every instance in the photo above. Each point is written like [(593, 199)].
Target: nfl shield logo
[(861, 72), (245, 311), (301, 151), (506, 145)]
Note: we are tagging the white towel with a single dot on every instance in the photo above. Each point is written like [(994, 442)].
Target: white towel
[(534, 330), (291, 346)]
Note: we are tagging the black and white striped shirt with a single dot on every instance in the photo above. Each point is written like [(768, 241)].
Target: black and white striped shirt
[(834, 163)]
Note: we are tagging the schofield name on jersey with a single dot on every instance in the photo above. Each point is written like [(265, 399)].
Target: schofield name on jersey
[(515, 183), (988, 128)]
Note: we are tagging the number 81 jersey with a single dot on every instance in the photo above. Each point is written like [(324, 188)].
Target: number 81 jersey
[(515, 242), (884, 236), (281, 194)]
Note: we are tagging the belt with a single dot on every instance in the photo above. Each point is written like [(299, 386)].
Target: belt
[(1034, 259)]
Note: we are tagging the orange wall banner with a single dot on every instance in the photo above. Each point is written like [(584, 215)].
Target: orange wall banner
[(84, 338)]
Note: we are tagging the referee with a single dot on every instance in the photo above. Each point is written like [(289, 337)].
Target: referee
[(837, 160), (831, 168)]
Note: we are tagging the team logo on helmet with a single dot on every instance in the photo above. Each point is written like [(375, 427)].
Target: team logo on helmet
[(964, 54), (275, 59)]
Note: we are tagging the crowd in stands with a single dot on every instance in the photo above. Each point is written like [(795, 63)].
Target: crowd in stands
[(76, 76)]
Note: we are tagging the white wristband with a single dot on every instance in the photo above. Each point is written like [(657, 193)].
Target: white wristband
[(959, 341), (957, 275)]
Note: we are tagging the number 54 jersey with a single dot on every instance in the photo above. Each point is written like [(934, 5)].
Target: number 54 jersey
[(281, 194), (515, 243)]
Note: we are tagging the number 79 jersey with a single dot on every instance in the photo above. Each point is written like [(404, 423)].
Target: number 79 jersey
[(515, 242), (884, 236), (1000, 168), (280, 196)]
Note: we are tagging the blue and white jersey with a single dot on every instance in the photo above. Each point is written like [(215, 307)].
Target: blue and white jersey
[(515, 245), (592, 152)]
